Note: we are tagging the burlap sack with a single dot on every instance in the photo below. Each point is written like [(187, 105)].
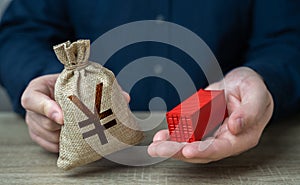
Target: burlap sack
[(97, 120)]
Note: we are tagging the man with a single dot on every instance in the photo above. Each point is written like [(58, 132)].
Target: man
[(257, 44)]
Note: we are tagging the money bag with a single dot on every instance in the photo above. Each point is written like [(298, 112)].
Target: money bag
[(97, 119)]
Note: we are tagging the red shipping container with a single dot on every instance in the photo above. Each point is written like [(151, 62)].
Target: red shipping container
[(198, 116)]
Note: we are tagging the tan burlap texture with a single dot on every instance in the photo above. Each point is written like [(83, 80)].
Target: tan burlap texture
[(89, 95)]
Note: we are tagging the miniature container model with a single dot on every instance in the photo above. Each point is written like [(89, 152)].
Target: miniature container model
[(198, 116)]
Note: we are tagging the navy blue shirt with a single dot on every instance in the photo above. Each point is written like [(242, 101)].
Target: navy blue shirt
[(261, 34)]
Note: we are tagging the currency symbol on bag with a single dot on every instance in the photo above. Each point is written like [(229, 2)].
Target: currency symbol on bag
[(90, 97), (96, 117)]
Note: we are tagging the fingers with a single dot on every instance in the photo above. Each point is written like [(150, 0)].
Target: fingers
[(206, 151), (197, 152), (250, 106), (160, 148), (41, 123), (43, 131), (249, 111), (248, 100), (222, 145), (38, 98), (43, 115), (37, 102), (161, 135), (211, 149), (200, 152), (164, 148), (51, 147), (52, 137), (126, 95)]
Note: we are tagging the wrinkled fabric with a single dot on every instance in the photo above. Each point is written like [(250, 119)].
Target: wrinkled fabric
[(97, 119)]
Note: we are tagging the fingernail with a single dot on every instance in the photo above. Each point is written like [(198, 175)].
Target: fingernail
[(55, 117)]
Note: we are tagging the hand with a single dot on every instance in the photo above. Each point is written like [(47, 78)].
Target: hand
[(250, 107), (44, 116)]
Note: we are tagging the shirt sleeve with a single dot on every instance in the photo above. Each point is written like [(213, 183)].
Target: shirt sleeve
[(28, 30), (274, 51)]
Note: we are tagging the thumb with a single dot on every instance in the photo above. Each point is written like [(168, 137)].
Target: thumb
[(239, 119), (53, 111), (37, 98), (42, 104), (127, 96)]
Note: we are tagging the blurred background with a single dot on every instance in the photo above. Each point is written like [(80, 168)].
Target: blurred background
[(4, 101)]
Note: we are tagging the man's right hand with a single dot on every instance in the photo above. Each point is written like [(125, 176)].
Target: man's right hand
[(44, 116)]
